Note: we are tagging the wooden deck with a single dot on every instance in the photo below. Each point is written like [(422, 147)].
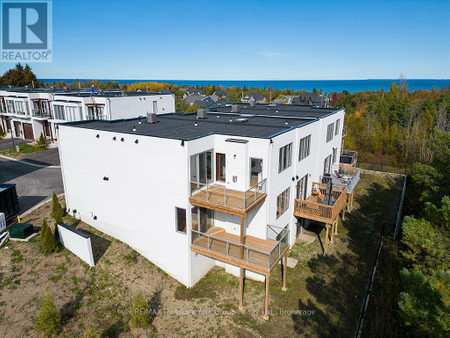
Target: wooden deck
[(225, 200), (258, 255), (313, 208)]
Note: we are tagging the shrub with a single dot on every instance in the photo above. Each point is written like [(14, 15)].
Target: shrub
[(41, 141), (48, 321), (2, 133), (140, 312), (57, 210), (89, 332), (48, 243)]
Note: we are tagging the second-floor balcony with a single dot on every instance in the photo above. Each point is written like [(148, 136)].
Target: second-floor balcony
[(96, 116), (217, 197), (348, 158), (255, 254), (346, 176), (323, 205), (41, 114)]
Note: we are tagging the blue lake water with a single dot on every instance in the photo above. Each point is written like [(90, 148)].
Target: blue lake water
[(327, 86)]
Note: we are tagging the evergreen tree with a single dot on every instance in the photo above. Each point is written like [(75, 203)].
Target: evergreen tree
[(57, 210), (48, 321), (20, 76), (48, 243), (41, 141)]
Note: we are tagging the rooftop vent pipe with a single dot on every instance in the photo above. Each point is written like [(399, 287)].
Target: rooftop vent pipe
[(234, 108), (151, 118), (252, 103), (202, 114)]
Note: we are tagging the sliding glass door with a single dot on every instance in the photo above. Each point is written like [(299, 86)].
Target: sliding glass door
[(201, 169)]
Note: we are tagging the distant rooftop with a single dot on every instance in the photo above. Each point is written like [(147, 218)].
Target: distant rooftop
[(82, 92), (260, 121)]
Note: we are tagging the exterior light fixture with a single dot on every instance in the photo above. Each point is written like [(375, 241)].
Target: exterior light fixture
[(134, 128)]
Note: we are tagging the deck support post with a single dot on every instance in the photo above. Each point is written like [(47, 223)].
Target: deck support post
[(336, 226), (343, 214), (326, 239), (242, 237), (284, 272), (241, 289), (333, 225), (353, 192), (266, 304)]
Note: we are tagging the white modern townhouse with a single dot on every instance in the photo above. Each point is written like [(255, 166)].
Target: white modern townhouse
[(230, 187), (28, 113)]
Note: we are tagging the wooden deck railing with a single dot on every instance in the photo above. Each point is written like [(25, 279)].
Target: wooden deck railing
[(313, 209)]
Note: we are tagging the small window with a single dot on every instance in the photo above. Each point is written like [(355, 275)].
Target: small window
[(338, 125), (181, 219), (330, 130), (283, 202), (334, 155), (305, 147), (285, 157)]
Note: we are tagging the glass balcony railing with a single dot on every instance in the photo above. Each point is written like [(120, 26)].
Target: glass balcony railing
[(218, 194), (41, 113)]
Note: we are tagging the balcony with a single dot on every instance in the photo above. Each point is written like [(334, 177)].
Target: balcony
[(349, 158), (255, 254), (42, 114), (217, 197), (346, 176), (315, 207)]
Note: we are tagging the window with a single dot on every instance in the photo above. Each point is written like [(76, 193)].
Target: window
[(302, 185), (155, 106), (334, 154), (72, 113), (220, 167), (330, 130), (284, 160), (181, 219), (255, 171), (59, 112), (283, 202), (10, 106), (338, 125), (201, 169), (305, 147), (202, 219), (327, 165), (19, 108), (95, 111)]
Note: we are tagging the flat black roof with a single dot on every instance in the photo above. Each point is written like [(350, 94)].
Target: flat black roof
[(248, 122)]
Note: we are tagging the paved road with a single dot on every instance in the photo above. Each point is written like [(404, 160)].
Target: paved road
[(6, 143), (34, 184), (48, 157)]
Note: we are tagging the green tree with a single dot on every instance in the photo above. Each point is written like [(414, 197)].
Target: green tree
[(140, 315), (41, 141), (48, 243), (48, 321), (425, 304), (20, 76), (57, 211)]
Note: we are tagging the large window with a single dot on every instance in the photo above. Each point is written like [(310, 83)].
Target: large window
[(181, 219), (20, 108), (72, 113), (59, 112), (327, 165), (334, 155), (330, 131), (305, 147), (10, 106), (202, 219), (285, 157), (338, 125), (283, 202), (95, 111), (255, 171), (201, 169)]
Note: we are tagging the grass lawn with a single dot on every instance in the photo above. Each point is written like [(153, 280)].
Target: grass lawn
[(25, 149), (324, 293)]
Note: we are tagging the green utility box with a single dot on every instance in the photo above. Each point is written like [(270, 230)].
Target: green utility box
[(21, 230)]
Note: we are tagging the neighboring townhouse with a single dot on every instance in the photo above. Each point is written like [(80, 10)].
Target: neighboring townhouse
[(191, 99), (254, 97), (193, 91), (230, 187), (28, 113), (311, 99)]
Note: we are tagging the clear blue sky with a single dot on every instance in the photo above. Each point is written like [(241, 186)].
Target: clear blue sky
[(248, 40)]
